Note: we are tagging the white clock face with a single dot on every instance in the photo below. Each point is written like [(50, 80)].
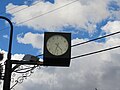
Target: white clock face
[(57, 45)]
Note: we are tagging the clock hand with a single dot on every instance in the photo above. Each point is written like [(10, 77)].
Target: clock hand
[(56, 49), (58, 46)]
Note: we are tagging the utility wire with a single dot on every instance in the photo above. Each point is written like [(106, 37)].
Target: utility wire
[(75, 44), (17, 12), (91, 53), (78, 44), (39, 55), (8, 9), (20, 9), (49, 12), (108, 35), (108, 49), (45, 13)]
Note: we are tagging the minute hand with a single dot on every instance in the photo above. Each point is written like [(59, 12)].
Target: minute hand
[(58, 46)]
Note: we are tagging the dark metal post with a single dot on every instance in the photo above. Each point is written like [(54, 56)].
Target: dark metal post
[(8, 65)]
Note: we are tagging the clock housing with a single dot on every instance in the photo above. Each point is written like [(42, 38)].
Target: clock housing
[(57, 58)]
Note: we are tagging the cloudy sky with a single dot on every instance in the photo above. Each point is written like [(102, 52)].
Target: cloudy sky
[(85, 19)]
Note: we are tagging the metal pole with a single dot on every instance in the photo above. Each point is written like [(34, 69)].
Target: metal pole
[(8, 65)]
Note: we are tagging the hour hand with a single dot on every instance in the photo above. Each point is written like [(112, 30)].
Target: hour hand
[(58, 46)]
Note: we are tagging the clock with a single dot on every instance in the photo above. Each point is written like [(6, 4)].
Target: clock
[(57, 49), (57, 45)]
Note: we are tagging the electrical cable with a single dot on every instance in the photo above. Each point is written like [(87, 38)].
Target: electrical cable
[(99, 51), (39, 55), (8, 9), (96, 39), (20, 9), (103, 50), (45, 13), (78, 43), (108, 35), (48, 12)]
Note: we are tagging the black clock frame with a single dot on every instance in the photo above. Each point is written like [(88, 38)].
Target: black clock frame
[(53, 60)]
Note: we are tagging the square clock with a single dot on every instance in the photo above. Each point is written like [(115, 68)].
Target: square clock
[(57, 49)]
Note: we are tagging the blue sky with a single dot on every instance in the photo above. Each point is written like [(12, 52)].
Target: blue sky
[(81, 33), (85, 19)]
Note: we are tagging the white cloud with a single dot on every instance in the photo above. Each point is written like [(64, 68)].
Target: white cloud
[(6, 36), (14, 56), (82, 14), (112, 27), (115, 14), (100, 70), (17, 56), (36, 40)]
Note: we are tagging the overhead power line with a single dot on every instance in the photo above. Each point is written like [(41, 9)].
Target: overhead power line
[(91, 53), (44, 13), (60, 8), (20, 9), (91, 41), (39, 55), (8, 9), (108, 35), (78, 44), (49, 11)]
